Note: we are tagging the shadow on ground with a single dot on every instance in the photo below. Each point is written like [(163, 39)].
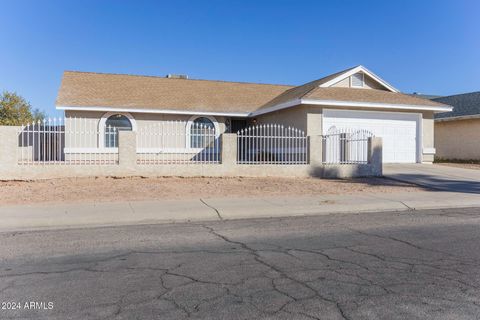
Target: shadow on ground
[(438, 183)]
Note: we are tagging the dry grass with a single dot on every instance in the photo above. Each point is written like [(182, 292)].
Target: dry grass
[(137, 188)]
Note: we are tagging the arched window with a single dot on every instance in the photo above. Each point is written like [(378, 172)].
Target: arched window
[(202, 133), (115, 123)]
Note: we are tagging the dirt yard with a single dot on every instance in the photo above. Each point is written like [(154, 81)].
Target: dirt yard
[(137, 188)]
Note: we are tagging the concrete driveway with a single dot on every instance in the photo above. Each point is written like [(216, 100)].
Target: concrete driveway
[(434, 176)]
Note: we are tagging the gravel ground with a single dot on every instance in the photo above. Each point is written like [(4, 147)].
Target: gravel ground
[(137, 188), (461, 165)]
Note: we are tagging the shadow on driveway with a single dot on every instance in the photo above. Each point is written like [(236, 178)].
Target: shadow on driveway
[(436, 177)]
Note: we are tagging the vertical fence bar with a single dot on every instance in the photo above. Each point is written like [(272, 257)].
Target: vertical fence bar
[(45, 142), (54, 141), (171, 142), (239, 146), (346, 146), (271, 144)]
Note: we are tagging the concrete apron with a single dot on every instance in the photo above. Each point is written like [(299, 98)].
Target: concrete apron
[(60, 216)]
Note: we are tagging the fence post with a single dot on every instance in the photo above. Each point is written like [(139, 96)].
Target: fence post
[(9, 144), (229, 149), (375, 159), (127, 149), (316, 150), (315, 144)]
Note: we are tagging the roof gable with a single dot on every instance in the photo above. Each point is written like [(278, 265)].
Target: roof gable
[(358, 69), (99, 92)]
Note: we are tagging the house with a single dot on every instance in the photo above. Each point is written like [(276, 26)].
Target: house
[(351, 99), (457, 133)]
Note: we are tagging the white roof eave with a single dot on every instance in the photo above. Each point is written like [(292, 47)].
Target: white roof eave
[(355, 70), (354, 104)]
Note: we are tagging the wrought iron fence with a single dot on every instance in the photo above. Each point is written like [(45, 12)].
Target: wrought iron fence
[(178, 142), (67, 141), (346, 146), (272, 144)]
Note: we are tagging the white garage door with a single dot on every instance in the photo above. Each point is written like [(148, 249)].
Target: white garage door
[(399, 131)]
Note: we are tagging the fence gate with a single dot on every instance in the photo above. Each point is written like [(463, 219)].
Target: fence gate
[(345, 146), (271, 144)]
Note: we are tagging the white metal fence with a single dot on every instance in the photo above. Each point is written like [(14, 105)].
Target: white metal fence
[(271, 144), (80, 141), (178, 142), (67, 141), (346, 146)]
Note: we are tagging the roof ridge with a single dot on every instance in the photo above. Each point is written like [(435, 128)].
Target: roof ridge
[(333, 75), (311, 89), (163, 77), (456, 95)]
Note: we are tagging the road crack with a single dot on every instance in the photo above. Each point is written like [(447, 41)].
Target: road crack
[(259, 259), (213, 208)]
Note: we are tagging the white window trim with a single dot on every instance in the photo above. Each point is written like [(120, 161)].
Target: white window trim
[(189, 126), (363, 80), (103, 120)]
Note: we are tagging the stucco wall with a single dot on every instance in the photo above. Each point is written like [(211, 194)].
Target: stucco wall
[(305, 117), (345, 83), (428, 141), (89, 123), (458, 139), (92, 118), (372, 84), (10, 169), (295, 117), (309, 119)]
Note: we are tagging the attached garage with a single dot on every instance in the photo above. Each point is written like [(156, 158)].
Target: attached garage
[(354, 98), (400, 132)]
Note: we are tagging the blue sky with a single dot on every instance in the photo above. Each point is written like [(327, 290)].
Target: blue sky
[(425, 46)]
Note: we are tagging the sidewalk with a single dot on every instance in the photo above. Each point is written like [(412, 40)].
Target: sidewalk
[(53, 216)]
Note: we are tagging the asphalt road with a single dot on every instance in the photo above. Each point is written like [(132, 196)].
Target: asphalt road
[(405, 265)]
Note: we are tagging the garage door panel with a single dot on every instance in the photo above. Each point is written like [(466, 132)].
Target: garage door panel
[(398, 130)]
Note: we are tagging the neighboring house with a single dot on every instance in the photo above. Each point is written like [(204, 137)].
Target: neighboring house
[(457, 133), (354, 98)]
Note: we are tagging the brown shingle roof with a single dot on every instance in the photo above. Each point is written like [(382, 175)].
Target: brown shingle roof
[(300, 91), (85, 89), (144, 92), (367, 95)]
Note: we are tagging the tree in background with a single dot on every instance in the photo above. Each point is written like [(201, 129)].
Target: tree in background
[(16, 111)]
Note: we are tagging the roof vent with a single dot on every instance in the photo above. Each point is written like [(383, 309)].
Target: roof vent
[(177, 76)]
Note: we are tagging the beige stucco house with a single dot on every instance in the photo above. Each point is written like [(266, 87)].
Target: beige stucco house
[(355, 98), (457, 133)]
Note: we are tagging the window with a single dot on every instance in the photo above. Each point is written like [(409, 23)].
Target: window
[(357, 80), (202, 133), (114, 124)]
